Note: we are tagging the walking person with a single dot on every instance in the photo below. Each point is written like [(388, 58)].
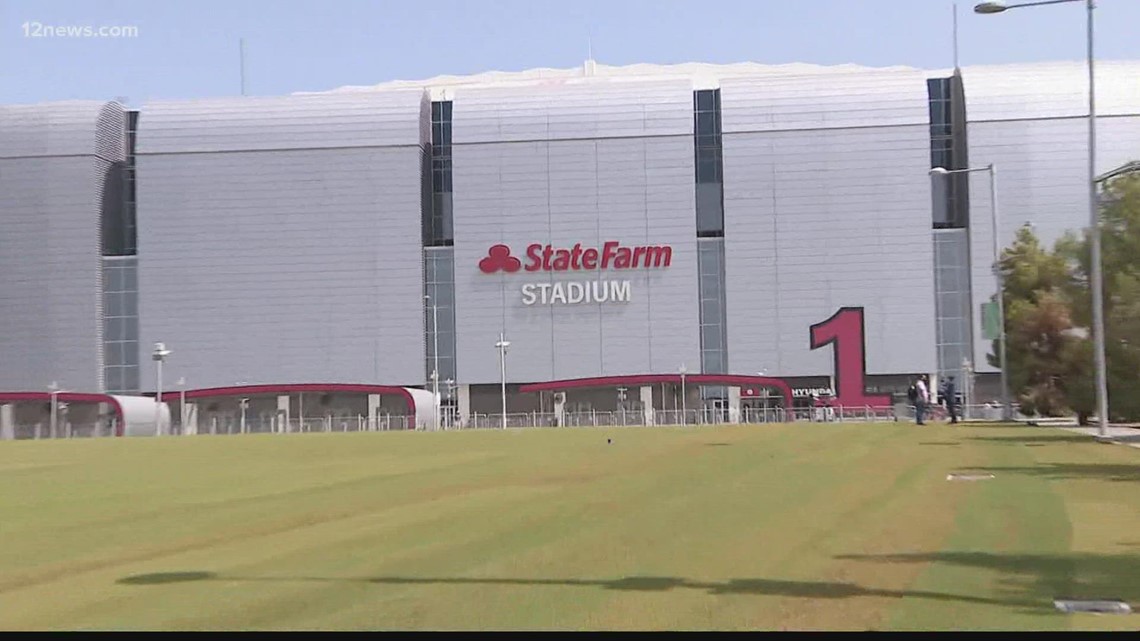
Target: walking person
[(921, 399), (950, 398), (912, 395)]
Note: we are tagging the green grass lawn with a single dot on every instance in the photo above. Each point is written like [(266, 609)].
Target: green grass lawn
[(744, 527)]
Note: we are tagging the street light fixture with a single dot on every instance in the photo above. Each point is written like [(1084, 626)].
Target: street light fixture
[(1006, 406), (435, 356), (990, 7), (1096, 276), (159, 355), (1127, 168), (502, 346)]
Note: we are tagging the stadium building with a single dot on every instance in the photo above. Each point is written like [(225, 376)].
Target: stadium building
[(714, 239)]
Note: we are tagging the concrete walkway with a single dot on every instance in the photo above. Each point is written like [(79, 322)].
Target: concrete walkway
[(1119, 434)]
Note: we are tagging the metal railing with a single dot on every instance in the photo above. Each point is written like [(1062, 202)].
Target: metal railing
[(229, 425), (324, 424), (35, 431)]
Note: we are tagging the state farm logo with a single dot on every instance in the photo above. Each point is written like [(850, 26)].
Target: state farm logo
[(499, 258), (551, 259)]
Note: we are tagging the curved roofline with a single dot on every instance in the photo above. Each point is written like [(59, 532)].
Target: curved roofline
[(733, 380), (593, 70), (60, 128), (295, 388), (69, 397)]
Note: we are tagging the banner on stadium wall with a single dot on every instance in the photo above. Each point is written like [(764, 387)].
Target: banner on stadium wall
[(991, 321)]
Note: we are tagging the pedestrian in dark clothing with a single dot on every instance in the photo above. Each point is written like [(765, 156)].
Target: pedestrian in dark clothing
[(950, 396)]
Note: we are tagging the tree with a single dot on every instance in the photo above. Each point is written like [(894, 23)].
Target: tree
[(1049, 313), (1040, 343)]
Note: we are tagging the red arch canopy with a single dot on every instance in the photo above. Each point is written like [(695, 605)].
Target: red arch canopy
[(69, 397)]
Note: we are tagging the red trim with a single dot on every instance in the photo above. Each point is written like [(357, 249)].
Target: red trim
[(295, 388), (733, 380), (68, 397)]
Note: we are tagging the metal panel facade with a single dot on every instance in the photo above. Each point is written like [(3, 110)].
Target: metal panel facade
[(826, 212), (579, 181), (272, 265), (54, 161)]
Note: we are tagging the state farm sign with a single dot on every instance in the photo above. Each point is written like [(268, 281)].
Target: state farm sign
[(547, 258)]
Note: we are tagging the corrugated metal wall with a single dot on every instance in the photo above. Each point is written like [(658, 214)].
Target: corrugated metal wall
[(279, 238), (54, 162), (827, 204), (575, 164)]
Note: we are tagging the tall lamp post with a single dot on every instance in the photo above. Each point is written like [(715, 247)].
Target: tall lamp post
[(1006, 407), (243, 403), (1096, 277), (159, 355), (684, 399), (502, 346), (53, 392), (450, 385), (435, 357)]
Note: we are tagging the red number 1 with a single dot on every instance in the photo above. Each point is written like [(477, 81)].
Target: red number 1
[(844, 331)]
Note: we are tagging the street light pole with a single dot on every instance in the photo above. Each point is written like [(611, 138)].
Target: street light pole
[(1006, 406), (1096, 276), (53, 390), (159, 355), (242, 403), (435, 357), (502, 346), (684, 399), (450, 386), (182, 405)]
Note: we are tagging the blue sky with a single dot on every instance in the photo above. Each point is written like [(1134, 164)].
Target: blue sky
[(189, 48)]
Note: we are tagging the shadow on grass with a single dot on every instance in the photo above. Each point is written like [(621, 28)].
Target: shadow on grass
[(1068, 471), (1044, 439), (1039, 578), (947, 443), (769, 587)]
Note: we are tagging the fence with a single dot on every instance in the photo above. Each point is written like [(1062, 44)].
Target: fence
[(358, 423), (63, 430), (384, 423)]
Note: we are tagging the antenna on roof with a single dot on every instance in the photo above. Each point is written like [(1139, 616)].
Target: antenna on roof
[(588, 68), (241, 62)]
